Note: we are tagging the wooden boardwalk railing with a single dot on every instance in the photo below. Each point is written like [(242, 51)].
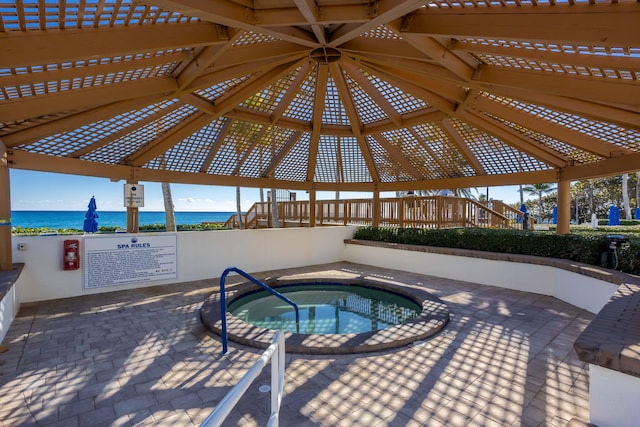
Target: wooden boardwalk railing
[(411, 212)]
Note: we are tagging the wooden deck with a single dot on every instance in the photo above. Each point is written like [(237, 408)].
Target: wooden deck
[(410, 212)]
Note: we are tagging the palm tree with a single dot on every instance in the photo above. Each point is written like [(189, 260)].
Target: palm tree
[(539, 190), (169, 211), (520, 190), (464, 192), (275, 220), (239, 209), (626, 205)]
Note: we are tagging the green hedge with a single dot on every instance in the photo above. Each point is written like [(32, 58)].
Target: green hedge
[(589, 247), (623, 222), (23, 231)]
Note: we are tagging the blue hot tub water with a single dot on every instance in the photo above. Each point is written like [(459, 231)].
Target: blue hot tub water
[(326, 309)]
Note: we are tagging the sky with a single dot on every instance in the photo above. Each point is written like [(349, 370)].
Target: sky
[(43, 191)]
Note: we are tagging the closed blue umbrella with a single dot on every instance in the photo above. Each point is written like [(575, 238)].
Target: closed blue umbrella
[(614, 216), (554, 216), (90, 223), (637, 214), (523, 209)]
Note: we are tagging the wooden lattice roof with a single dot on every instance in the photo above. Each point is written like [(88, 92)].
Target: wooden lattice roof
[(325, 94)]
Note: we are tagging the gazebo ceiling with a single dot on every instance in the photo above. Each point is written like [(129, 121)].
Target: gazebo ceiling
[(325, 94)]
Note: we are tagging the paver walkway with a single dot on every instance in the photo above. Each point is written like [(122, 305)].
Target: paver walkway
[(142, 357)]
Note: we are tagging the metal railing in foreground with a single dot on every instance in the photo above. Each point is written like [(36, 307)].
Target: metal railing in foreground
[(223, 302), (276, 353)]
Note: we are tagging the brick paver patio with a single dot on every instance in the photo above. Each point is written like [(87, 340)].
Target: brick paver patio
[(142, 357)]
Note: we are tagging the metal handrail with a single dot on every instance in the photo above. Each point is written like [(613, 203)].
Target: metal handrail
[(223, 301), (226, 405)]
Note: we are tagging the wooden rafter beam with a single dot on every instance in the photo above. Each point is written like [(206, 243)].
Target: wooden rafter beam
[(291, 92), (469, 98), (216, 145), (528, 92), (372, 91), (253, 116), (408, 120), (237, 16), (204, 59), (83, 71), (46, 163), (382, 11), (630, 63), (311, 13), (430, 70), (288, 14), (549, 128), (146, 174), (318, 107), (612, 166), (445, 170), (86, 98), (593, 110), (601, 24), (249, 150), (132, 127), (75, 121), (279, 157), (397, 156), (215, 77), (438, 52), (252, 86), (326, 14), (354, 119), (28, 48), (550, 175), (457, 140), (515, 139), (600, 90), (339, 163), (565, 101), (388, 48), (442, 88), (427, 96), (168, 139), (245, 54), (413, 119), (347, 100)]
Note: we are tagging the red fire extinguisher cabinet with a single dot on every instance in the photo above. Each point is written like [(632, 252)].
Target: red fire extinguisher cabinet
[(71, 255)]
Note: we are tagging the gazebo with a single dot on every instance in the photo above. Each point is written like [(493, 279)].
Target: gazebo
[(350, 95)]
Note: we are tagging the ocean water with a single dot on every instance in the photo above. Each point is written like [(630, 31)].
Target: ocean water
[(75, 219)]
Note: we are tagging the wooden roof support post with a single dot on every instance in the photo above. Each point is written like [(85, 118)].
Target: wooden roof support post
[(312, 206), (6, 256), (564, 207), (376, 207), (133, 220)]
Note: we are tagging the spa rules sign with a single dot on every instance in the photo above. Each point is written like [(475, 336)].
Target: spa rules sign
[(112, 261)]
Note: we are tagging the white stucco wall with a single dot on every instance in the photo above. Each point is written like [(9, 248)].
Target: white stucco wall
[(613, 398), (576, 289), (8, 309), (205, 254), (201, 255)]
